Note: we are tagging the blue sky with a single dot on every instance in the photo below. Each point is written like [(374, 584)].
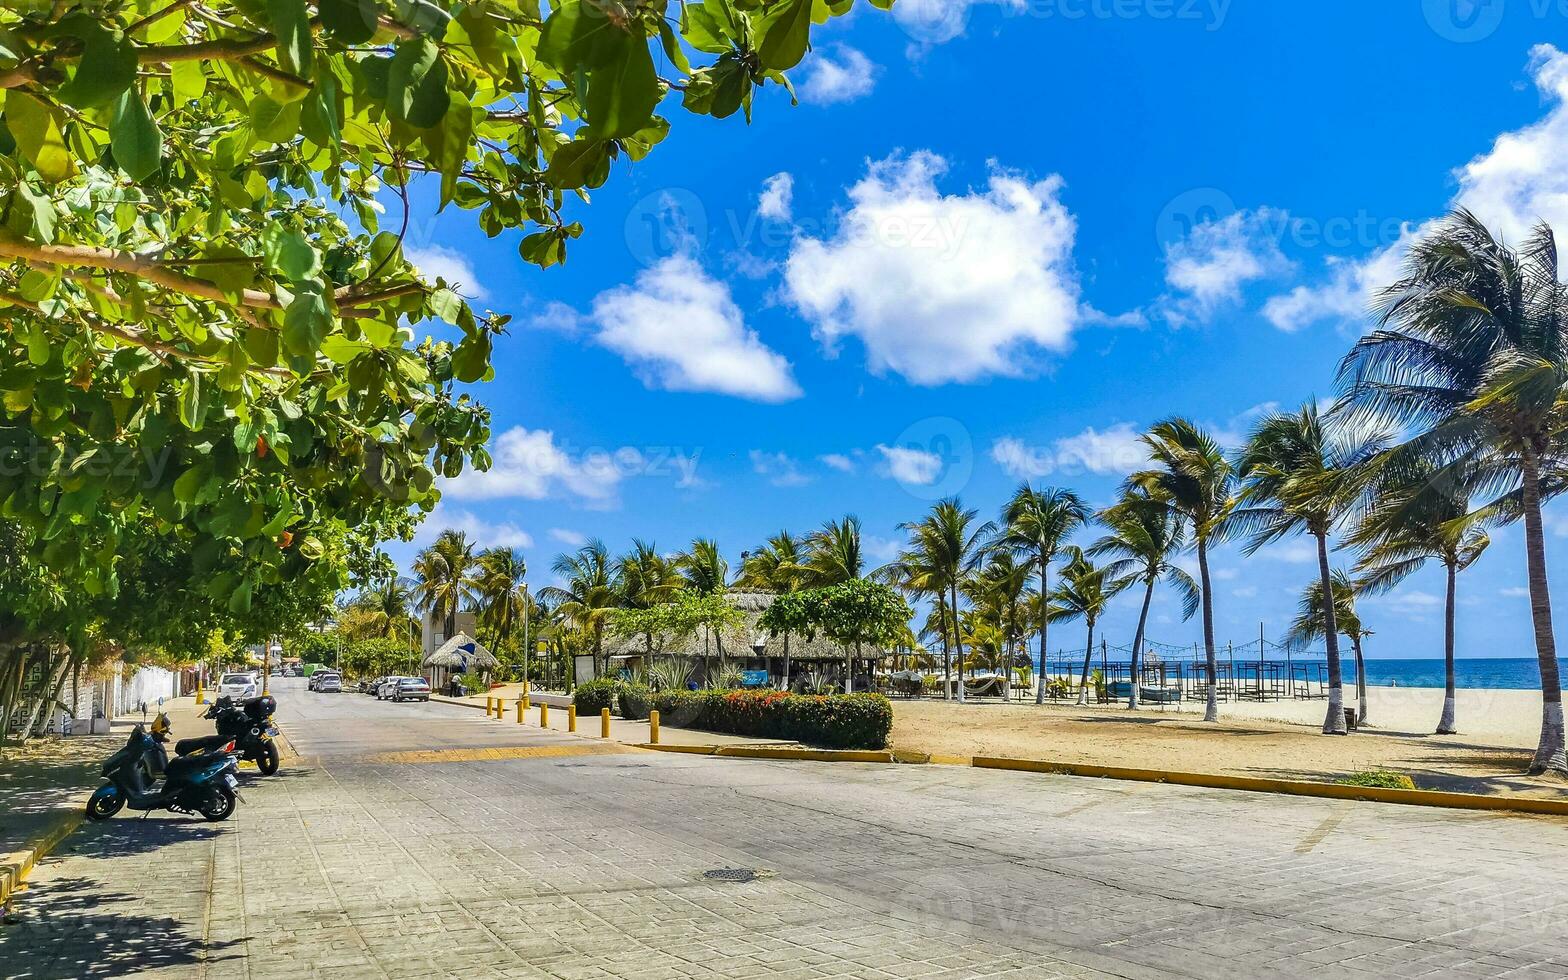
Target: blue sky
[(995, 239)]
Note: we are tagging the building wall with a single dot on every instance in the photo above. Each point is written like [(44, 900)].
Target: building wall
[(432, 631)]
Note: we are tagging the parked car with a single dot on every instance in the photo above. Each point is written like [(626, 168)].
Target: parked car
[(410, 689), (238, 686), (327, 682), (370, 685), (387, 686)]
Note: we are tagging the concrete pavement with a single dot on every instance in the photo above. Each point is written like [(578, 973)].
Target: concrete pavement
[(542, 860)]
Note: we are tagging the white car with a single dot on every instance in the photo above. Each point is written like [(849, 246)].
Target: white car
[(410, 689), (387, 687), (238, 686), (328, 682)]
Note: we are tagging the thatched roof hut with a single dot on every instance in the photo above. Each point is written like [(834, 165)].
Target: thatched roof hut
[(748, 641), (461, 653)]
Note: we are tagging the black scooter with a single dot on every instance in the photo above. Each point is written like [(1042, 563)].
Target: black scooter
[(203, 784), (248, 724)]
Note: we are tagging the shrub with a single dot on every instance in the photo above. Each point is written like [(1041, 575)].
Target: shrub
[(593, 697), (836, 721), (634, 700), (1378, 779), (472, 683)]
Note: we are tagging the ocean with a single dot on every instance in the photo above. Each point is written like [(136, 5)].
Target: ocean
[(1497, 673)]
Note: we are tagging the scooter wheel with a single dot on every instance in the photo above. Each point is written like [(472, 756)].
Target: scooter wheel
[(268, 763), (220, 806), (105, 802)]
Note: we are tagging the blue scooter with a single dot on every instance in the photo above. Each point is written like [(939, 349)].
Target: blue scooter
[(203, 783)]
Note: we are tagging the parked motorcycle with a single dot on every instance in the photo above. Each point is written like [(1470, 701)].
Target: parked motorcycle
[(204, 783), (249, 724)]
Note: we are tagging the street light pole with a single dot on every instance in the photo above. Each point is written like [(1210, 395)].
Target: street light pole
[(525, 635)]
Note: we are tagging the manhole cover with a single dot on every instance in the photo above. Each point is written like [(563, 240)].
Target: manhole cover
[(730, 874)]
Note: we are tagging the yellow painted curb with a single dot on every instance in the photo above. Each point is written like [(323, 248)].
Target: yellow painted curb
[(1259, 784), (767, 752), (16, 866), (684, 749)]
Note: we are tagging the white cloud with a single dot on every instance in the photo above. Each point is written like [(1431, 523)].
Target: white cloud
[(568, 537), (1521, 179), (1116, 450), (909, 465), (838, 461), (435, 261), (528, 464), (557, 317), (1245, 592), (778, 196), (880, 550), (680, 329), (938, 21), (1207, 269), (781, 469), (942, 288), (1297, 551), (1515, 592), (1411, 602), (483, 533), (837, 73)]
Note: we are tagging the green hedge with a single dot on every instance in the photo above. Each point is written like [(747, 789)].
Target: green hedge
[(593, 697), (835, 721), (635, 700)]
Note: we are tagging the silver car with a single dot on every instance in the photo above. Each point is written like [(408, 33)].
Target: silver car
[(328, 683), (410, 689)]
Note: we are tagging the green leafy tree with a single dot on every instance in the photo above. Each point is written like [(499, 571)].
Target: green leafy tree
[(777, 567)]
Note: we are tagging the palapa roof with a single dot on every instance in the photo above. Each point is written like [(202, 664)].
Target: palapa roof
[(463, 651), (739, 641)]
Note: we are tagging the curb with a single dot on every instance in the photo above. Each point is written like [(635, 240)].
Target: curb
[(1290, 787), (15, 867), (765, 752)]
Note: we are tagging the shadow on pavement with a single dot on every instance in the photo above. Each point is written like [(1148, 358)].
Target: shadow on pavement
[(73, 928), (127, 835)]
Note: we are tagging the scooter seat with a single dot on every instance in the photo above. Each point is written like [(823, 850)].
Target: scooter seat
[(209, 743)]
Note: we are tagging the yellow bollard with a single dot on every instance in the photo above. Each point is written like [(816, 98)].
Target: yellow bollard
[(200, 697), (489, 706), (604, 722), (519, 711), (653, 728), (571, 717), (544, 715)]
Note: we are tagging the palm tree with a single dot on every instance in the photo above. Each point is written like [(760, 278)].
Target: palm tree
[(999, 596), (388, 605), (1295, 478), (917, 574), (1084, 591), (948, 543), (445, 579), (1145, 537), (1192, 476), (501, 591), (1417, 519), (1308, 625), (647, 579), (591, 591), (1035, 523), (776, 567), (703, 568), (1471, 353), (833, 554)]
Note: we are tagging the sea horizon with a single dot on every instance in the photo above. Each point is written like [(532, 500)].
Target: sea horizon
[(1470, 673)]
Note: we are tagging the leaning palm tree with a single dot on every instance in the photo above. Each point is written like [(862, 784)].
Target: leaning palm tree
[(1145, 537), (445, 578), (1309, 623), (501, 593), (833, 553), (1472, 355), (1192, 476), (590, 592), (1035, 524), (950, 544), (1297, 477), (1083, 592), (1416, 518)]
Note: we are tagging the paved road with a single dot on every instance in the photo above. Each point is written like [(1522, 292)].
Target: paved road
[(414, 840)]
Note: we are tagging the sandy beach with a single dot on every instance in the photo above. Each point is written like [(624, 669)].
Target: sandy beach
[(1498, 730)]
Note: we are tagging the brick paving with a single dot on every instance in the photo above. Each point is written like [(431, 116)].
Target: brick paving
[(573, 864)]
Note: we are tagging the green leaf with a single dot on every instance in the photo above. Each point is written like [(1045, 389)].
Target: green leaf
[(106, 68), (36, 128), (623, 93), (134, 136), (573, 163), (192, 403), (291, 24), (240, 598), (321, 116), (416, 83), (306, 321), (703, 30), (449, 143), (579, 37), (471, 359), (273, 121), (288, 254), (786, 34), (350, 21)]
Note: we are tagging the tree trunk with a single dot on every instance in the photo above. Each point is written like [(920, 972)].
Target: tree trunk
[(1549, 754), (947, 651), (1445, 724), (958, 642), (1137, 646), (1045, 609), (39, 716), (1361, 680), (1088, 654), (1211, 711), (786, 660), (1334, 721)]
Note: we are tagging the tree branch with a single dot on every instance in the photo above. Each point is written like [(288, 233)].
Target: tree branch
[(93, 257)]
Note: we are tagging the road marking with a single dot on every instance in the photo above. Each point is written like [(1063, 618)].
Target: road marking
[(499, 754), (1318, 834)]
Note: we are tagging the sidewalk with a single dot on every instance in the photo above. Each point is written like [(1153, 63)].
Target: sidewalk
[(46, 782)]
